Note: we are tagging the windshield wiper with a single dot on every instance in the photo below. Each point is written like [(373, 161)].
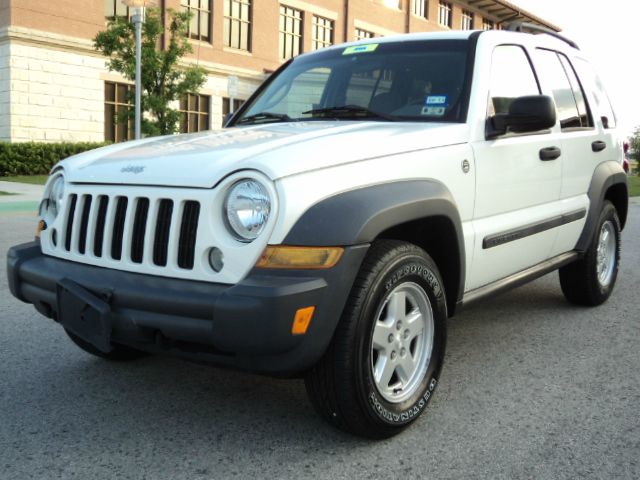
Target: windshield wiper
[(264, 117), (349, 111)]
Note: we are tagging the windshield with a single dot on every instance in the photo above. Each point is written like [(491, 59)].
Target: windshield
[(411, 80)]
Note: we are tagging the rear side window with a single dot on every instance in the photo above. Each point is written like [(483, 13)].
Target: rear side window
[(578, 93), (591, 81), (553, 76), (511, 77)]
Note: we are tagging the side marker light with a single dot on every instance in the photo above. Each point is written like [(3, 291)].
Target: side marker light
[(302, 320)]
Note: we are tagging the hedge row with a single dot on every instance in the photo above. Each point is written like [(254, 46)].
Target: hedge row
[(37, 158)]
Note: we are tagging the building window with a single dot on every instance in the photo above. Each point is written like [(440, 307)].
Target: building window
[(363, 34), (421, 8), (115, 8), (200, 23), (322, 32), (194, 113), (226, 106), (445, 14), (116, 107), (290, 32), (237, 24), (467, 20), (488, 24)]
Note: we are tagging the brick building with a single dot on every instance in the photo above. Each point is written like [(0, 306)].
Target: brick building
[(55, 87)]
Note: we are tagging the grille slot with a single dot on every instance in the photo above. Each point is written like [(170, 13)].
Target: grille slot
[(188, 234), (70, 218), (118, 228), (98, 239), (84, 223), (139, 228), (163, 228)]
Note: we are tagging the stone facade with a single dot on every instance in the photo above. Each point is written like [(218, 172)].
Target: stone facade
[(56, 95), (5, 98)]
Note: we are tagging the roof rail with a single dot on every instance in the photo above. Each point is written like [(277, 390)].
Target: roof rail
[(528, 27)]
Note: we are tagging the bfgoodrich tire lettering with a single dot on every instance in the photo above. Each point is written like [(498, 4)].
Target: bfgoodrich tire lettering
[(590, 280), (343, 387)]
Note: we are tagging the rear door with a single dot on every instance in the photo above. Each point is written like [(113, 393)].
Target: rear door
[(583, 145), (517, 192)]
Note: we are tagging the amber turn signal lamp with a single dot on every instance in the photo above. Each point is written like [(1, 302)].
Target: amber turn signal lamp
[(302, 320), (300, 257), (42, 226)]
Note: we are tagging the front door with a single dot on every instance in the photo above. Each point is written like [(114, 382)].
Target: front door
[(518, 181)]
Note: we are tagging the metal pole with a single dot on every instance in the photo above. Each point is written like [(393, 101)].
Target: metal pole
[(138, 18)]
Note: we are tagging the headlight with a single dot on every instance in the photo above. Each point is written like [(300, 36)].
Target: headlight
[(247, 209), (50, 206)]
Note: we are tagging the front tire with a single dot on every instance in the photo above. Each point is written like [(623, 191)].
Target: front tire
[(384, 361), (590, 280)]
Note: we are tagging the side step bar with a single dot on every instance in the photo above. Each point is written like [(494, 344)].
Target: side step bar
[(518, 279)]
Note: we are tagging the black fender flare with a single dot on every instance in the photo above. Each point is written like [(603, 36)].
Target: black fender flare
[(359, 216), (605, 176)]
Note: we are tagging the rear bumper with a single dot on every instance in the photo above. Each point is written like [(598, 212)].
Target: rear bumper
[(247, 325)]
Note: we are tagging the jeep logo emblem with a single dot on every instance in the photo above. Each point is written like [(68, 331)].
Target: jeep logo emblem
[(132, 169)]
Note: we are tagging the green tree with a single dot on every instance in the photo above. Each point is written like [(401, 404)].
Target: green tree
[(164, 80)]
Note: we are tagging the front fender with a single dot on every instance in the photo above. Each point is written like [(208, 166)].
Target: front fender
[(360, 216)]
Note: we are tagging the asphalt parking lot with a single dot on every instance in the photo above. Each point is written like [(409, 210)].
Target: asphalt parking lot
[(532, 388)]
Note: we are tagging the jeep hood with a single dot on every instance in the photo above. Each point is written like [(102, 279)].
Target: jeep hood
[(278, 150)]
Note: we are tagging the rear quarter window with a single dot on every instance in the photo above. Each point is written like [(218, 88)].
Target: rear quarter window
[(592, 82)]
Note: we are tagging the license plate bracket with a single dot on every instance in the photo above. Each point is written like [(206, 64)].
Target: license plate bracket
[(84, 314)]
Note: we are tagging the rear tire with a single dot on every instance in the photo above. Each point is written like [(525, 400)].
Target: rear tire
[(590, 280), (119, 353), (384, 361)]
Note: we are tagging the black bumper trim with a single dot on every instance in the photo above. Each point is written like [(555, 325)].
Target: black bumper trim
[(247, 325)]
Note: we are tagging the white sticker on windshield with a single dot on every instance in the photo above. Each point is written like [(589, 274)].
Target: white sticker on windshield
[(434, 111)]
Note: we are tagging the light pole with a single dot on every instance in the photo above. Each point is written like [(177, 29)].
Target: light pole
[(138, 7)]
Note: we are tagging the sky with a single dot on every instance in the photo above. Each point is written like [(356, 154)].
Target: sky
[(607, 32)]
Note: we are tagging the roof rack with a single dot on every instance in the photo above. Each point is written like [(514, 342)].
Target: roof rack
[(528, 27)]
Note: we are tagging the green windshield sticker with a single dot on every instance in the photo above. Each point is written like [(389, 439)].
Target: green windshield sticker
[(371, 47)]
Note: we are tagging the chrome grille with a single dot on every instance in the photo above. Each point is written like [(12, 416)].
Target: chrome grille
[(132, 229)]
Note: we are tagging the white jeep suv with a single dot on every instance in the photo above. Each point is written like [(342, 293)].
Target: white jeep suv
[(360, 197)]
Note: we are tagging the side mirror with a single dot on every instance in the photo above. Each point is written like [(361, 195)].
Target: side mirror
[(526, 114)]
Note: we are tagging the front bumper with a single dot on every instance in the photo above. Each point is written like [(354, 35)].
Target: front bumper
[(247, 325)]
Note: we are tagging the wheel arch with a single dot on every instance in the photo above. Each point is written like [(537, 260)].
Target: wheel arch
[(609, 182), (618, 194), (408, 210), (444, 248)]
